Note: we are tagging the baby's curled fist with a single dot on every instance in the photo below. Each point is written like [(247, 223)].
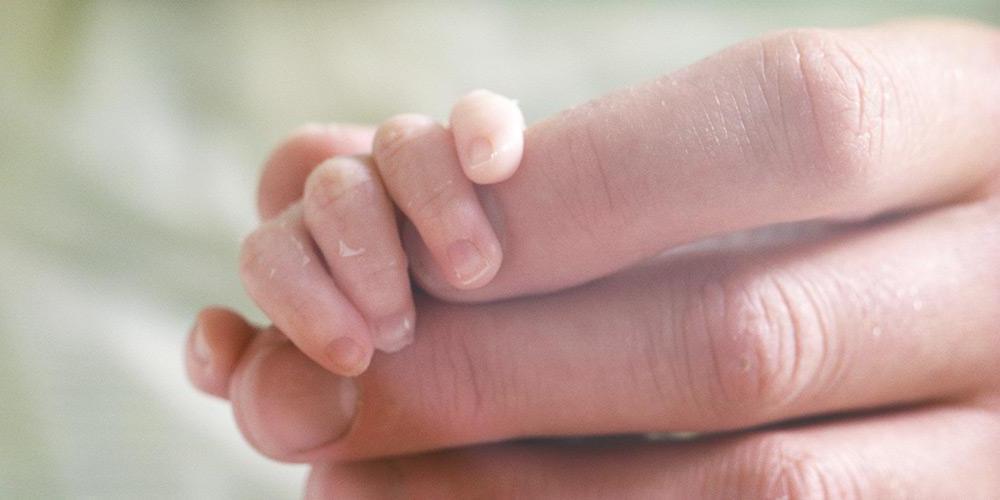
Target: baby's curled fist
[(331, 272)]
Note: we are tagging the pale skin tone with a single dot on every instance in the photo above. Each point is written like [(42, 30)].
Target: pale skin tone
[(886, 302), (330, 270)]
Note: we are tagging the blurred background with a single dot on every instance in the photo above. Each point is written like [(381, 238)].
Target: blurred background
[(131, 134)]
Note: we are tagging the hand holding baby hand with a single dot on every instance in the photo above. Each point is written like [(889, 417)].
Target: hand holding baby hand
[(331, 270)]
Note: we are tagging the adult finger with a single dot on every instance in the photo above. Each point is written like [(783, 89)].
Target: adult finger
[(926, 453), (285, 172), (213, 348), (794, 126), (333, 399), (707, 343)]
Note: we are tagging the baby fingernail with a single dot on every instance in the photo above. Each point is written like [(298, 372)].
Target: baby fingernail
[(481, 151), (467, 261), (348, 356), (394, 334)]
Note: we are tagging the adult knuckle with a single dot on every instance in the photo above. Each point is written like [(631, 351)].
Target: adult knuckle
[(762, 336), (834, 97), (782, 466)]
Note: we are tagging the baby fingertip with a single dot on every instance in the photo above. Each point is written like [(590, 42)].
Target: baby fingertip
[(349, 357), (489, 135), (394, 334)]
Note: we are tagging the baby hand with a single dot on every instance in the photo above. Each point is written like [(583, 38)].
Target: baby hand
[(331, 272)]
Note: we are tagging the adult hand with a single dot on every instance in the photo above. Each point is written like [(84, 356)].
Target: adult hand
[(897, 313)]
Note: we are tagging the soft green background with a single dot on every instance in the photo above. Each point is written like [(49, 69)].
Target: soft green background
[(130, 137)]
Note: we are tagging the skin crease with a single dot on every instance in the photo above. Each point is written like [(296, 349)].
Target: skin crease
[(368, 265), (848, 325), (489, 136), (346, 222), (563, 353), (789, 157), (439, 200)]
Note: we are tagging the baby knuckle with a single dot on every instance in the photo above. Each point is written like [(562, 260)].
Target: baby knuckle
[(462, 373), (334, 179), (391, 145)]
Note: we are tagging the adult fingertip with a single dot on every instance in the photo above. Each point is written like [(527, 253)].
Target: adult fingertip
[(288, 406), (215, 343)]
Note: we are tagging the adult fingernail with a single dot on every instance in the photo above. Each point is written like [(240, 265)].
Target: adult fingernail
[(290, 405), (333, 416), (467, 261), (348, 356), (394, 334)]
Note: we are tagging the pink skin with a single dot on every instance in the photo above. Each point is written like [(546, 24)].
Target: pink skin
[(283, 273), (596, 202), (418, 162), (489, 136), (284, 174), (869, 316), (351, 219), (214, 347), (844, 459), (768, 131), (347, 221), (718, 341)]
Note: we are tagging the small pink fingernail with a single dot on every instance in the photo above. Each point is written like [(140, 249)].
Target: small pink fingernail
[(348, 356), (481, 151), (394, 334), (467, 261)]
